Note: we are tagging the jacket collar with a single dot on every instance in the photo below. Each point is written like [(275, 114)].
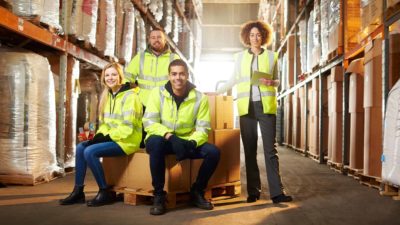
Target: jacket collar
[(251, 53)]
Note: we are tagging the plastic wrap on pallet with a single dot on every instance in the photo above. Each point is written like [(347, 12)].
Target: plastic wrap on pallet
[(156, 8), (310, 41), (129, 29), (168, 17), (324, 29), (141, 32), (334, 14), (285, 72), (391, 138), (82, 19), (105, 36), (316, 51), (27, 8), (303, 45), (28, 112), (177, 27), (51, 13), (391, 143)]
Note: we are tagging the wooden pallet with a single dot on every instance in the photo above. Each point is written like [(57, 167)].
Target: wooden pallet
[(370, 181), (228, 189), (390, 190), (338, 167), (313, 156), (28, 179), (299, 150), (351, 172), (335, 53)]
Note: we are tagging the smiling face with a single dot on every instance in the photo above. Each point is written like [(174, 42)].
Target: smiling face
[(112, 79), (255, 38), (157, 41), (178, 78)]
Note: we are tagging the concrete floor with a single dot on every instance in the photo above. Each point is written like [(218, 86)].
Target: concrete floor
[(321, 196)]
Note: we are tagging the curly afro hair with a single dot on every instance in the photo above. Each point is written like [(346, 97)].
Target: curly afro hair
[(264, 28)]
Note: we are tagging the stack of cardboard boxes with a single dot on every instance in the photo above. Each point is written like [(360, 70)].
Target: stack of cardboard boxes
[(132, 173), (335, 109)]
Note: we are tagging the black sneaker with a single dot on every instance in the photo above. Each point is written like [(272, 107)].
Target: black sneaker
[(282, 198), (158, 207)]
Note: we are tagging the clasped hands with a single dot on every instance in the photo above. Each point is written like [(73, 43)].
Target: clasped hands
[(181, 147)]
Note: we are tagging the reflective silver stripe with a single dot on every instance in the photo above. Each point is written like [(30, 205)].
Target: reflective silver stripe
[(141, 64), (202, 129), (161, 97), (113, 116), (151, 115), (180, 126), (197, 104), (127, 123), (144, 86), (127, 94), (168, 124), (112, 125), (148, 123), (202, 123), (268, 93), (171, 57), (129, 76), (243, 95), (153, 79), (271, 56), (243, 79)]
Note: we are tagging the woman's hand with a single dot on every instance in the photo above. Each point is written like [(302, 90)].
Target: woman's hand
[(267, 82)]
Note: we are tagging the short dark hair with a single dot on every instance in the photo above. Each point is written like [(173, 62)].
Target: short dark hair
[(178, 62), (264, 28)]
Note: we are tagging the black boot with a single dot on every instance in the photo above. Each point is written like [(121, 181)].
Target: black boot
[(158, 207), (77, 196), (103, 197), (198, 199)]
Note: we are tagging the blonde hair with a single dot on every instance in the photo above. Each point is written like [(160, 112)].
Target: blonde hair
[(264, 28), (106, 90)]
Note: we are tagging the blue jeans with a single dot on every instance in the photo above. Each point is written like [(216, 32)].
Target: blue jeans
[(89, 155), (158, 148)]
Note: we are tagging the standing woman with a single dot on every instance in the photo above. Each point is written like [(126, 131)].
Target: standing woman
[(256, 103), (119, 134)]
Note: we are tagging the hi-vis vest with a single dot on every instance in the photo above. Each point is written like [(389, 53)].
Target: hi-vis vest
[(122, 120), (266, 63), (190, 122), (150, 71)]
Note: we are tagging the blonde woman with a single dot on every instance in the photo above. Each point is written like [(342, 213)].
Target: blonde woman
[(119, 134)]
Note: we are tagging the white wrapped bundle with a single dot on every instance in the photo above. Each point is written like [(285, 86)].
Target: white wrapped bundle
[(82, 16), (310, 41), (391, 139), (125, 26), (324, 29), (27, 8), (105, 37), (51, 13), (156, 8), (28, 125), (141, 32), (303, 45)]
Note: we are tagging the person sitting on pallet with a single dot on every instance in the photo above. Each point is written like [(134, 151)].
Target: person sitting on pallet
[(119, 134), (177, 121)]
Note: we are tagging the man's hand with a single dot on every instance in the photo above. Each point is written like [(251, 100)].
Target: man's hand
[(178, 146), (267, 82), (99, 138)]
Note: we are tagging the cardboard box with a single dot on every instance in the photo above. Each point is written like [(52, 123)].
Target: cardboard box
[(296, 119), (228, 170), (133, 172), (221, 112), (336, 97), (373, 74), (356, 93), (335, 135), (373, 141), (288, 121), (336, 74), (356, 140)]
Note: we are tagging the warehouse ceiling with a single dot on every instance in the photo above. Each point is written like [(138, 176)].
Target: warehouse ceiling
[(221, 24)]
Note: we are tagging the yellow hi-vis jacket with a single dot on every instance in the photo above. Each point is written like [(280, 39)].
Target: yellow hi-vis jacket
[(266, 63), (150, 71), (122, 120), (190, 122)]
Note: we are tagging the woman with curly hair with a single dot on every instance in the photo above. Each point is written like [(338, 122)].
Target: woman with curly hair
[(119, 134), (257, 104)]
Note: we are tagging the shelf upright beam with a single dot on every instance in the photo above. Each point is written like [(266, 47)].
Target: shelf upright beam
[(321, 119)]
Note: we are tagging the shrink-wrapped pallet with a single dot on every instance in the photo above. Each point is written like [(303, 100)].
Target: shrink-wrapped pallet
[(391, 139), (27, 8), (324, 29), (82, 19), (125, 26), (141, 32), (166, 22), (51, 13), (156, 8), (310, 41), (28, 125), (303, 45), (105, 36)]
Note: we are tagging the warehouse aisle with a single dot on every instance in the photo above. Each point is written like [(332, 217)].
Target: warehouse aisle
[(321, 196)]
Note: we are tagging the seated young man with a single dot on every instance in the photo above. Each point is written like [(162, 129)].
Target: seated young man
[(177, 121)]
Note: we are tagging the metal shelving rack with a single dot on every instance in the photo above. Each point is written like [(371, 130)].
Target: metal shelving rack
[(61, 46), (343, 60)]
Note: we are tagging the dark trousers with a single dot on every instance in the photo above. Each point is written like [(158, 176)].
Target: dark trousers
[(158, 148), (89, 155), (248, 130)]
